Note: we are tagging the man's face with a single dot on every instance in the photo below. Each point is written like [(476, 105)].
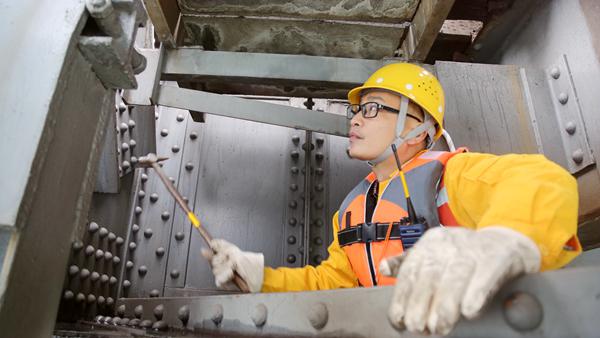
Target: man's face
[(369, 137)]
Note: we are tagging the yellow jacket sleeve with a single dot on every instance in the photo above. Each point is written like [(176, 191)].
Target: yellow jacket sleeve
[(334, 272), (526, 193)]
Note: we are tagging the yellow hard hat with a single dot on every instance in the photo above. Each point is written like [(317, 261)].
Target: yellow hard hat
[(412, 81)]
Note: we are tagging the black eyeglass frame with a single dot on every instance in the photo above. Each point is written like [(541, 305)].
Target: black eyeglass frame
[(350, 113)]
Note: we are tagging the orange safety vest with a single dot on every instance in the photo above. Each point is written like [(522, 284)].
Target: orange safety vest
[(424, 176)]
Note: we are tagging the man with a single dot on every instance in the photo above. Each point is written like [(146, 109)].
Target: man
[(490, 218)]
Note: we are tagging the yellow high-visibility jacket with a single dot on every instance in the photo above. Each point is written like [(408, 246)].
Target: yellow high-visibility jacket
[(526, 193)]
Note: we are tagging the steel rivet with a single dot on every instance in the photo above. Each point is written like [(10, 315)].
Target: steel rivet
[(318, 241), (555, 72), (94, 276), (319, 205), (73, 270), (319, 156), (123, 127), (142, 270), (107, 319), (318, 315), (112, 237), (563, 98), (124, 321), (175, 149), (189, 166), (147, 323), (164, 132), (116, 260), (101, 300), (295, 154), (99, 318), (570, 127), (259, 315), (174, 273), (122, 107), (132, 144), (80, 297), (138, 311), (153, 197), (185, 199), (109, 301), (132, 246), (148, 233), (144, 177), (319, 223), (129, 265), (160, 325), (77, 245), (154, 293), (319, 187), (217, 314), (179, 118), (319, 171), (320, 141), (112, 280), (121, 310), (93, 227), (134, 160), (124, 147), (119, 241), (104, 279), (138, 210), (172, 179), (160, 252), (165, 215), (99, 254), (179, 236), (294, 170), (103, 232), (318, 259), (159, 311), (577, 156), (126, 165), (85, 273), (134, 322), (183, 314), (193, 135), (91, 299), (141, 194), (291, 258), (292, 221), (126, 284), (522, 311), (293, 204), (131, 124), (291, 240), (296, 139), (116, 321), (108, 256), (293, 187), (68, 295)]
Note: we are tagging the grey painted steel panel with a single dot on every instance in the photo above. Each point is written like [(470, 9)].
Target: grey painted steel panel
[(181, 232), (241, 195), (555, 28), (485, 108), (155, 218), (564, 302), (24, 120), (61, 186), (252, 110), (107, 178)]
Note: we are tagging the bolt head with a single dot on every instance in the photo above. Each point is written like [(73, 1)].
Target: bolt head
[(522, 311)]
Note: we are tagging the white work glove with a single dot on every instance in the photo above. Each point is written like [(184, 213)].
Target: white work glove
[(452, 271), (225, 258)]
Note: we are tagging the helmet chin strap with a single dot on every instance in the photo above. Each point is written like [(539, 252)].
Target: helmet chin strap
[(427, 126)]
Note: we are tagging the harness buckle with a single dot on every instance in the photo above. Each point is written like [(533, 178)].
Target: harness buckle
[(368, 232)]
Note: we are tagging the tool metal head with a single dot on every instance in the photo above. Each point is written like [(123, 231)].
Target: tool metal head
[(151, 158)]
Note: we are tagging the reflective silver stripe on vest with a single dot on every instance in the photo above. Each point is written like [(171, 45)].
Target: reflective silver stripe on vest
[(422, 183)]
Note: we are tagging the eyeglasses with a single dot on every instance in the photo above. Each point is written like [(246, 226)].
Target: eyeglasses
[(370, 110)]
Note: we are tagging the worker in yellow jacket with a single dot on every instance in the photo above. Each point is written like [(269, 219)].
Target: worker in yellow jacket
[(478, 219)]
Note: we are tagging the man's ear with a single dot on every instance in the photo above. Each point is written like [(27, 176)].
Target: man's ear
[(418, 139)]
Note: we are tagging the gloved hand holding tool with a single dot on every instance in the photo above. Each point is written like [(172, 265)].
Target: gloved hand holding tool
[(151, 160)]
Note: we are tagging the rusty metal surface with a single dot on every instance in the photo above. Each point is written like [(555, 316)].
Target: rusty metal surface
[(352, 10), (291, 36)]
